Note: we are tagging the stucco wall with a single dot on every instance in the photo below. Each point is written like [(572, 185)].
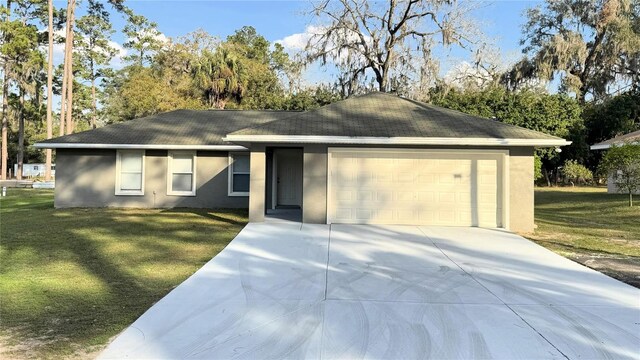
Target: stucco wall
[(86, 178), (257, 183), (314, 193), (521, 202), (521, 191)]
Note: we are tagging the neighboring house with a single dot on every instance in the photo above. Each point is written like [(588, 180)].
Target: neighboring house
[(376, 158), (630, 138), (33, 170)]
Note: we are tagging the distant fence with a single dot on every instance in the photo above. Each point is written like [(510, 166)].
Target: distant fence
[(16, 183), (27, 184)]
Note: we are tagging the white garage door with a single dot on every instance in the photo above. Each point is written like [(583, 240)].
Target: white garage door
[(426, 187)]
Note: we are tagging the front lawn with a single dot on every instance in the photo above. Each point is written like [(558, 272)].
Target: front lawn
[(591, 227), (72, 279)]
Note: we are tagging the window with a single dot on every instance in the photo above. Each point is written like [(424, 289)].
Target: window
[(181, 176), (239, 174), (35, 167), (129, 172)]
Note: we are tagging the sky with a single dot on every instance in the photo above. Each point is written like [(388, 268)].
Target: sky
[(287, 21)]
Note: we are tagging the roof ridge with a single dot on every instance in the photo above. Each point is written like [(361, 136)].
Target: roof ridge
[(395, 97), (487, 119)]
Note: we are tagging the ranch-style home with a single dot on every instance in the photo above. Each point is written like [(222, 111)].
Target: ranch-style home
[(374, 159)]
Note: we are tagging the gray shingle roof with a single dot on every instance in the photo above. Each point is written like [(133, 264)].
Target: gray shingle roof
[(632, 137), (387, 115), (374, 115), (179, 127)]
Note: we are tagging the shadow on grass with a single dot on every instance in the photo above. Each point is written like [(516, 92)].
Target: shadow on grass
[(581, 249), (214, 214), (74, 278)]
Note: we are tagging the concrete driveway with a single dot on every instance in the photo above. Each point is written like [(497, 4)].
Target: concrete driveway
[(394, 292)]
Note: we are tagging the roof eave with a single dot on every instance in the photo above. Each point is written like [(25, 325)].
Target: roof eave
[(446, 141), (138, 146), (605, 146)]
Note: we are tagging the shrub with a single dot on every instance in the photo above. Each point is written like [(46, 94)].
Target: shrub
[(575, 172), (537, 167)]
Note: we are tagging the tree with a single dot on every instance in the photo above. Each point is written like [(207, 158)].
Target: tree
[(167, 84), (622, 164), (68, 75), (66, 101), (47, 173), (6, 40), (311, 98), (558, 115), (592, 44), (259, 68), (394, 40), (254, 45), (143, 38), (220, 76), (21, 51), (615, 116), (289, 70), (604, 120), (576, 172), (94, 49)]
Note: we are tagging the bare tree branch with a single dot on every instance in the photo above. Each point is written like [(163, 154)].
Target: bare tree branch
[(386, 40)]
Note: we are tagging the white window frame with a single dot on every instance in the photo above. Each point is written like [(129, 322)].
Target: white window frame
[(119, 191), (230, 172), (170, 173)]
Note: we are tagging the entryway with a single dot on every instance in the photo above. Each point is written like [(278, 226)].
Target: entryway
[(284, 188)]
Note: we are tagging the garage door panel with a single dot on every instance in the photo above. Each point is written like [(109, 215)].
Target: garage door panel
[(421, 187)]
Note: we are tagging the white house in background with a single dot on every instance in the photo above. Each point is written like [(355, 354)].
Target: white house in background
[(630, 138), (34, 170)]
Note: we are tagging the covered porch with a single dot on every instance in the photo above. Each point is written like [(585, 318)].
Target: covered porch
[(288, 183)]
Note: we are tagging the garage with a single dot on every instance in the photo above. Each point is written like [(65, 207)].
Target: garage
[(384, 159), (449, 187)]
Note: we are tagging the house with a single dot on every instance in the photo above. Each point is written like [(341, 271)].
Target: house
[(34, 170), (630, 138), (376, 158)]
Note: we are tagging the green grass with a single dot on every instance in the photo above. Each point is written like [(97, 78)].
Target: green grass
[(586, 221), (72, 279)]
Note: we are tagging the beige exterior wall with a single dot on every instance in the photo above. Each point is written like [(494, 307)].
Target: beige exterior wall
[(314, 193), (257, 184), (521, 202), (86, 178)]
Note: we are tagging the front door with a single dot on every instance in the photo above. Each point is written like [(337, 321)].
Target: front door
[(289, 177)]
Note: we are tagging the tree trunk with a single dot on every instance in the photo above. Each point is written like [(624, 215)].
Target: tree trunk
[(63, 99), (47, 168), (69, 50), (5, 107), (546, 177), (20, 136), (94, 107), (630, 198), (582, 97), (5, 120)]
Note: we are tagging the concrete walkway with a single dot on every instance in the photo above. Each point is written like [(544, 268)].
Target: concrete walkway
[(285, 290)]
